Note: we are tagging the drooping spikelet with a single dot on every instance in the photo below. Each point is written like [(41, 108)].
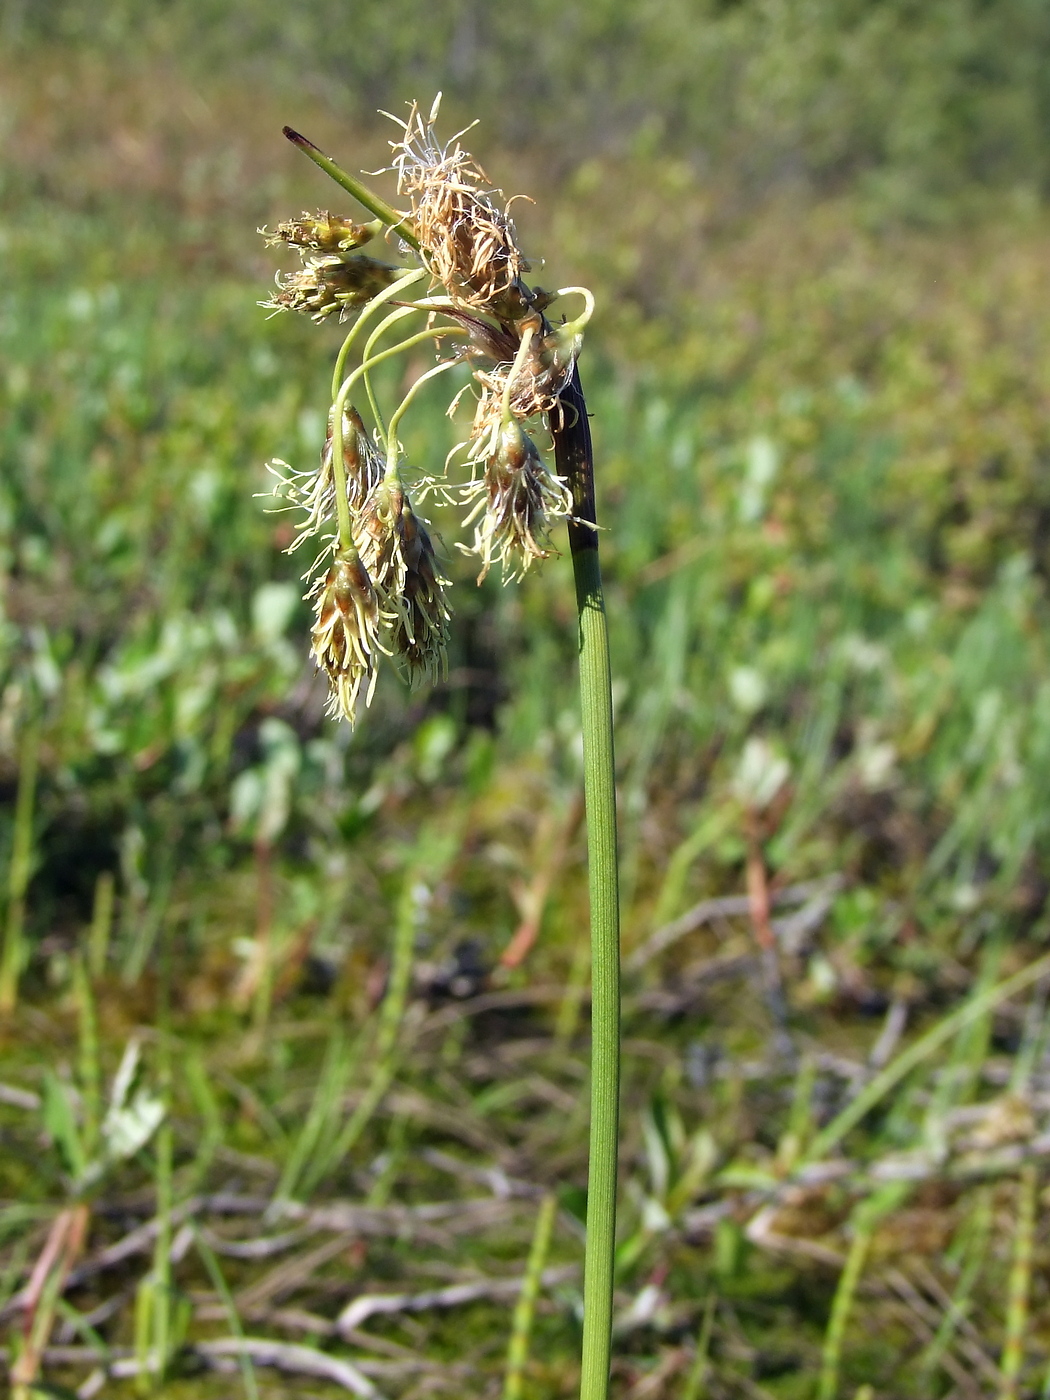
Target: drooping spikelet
[(348, 621), (400, 558), (345, 636), (466, 241), (518, 500)]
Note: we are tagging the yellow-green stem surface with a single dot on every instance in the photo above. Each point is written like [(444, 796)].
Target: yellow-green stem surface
[(574, 459)]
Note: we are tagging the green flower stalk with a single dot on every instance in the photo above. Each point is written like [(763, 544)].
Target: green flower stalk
[(375, 583)]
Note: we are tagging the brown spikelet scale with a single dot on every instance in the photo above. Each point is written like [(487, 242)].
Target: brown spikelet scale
[(467, 242), (361, 461)]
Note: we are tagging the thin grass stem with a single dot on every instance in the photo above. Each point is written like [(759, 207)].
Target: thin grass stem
[(156, 1327), (339, 1064), (865, 1221), (393, 1160), (207, 1106), (368, 364), (525, 1308), (233, 1317), (694, 1384), (101, 924), (379, 300), (366, 355), (1020, 1283), (980, 1224), (89, 1064), (386, 1052), (19, 870), (392, 444), (840, 1311), (342, 505), (79, 1323)]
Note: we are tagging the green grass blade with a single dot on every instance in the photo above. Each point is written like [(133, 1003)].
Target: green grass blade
[(525, 1308)]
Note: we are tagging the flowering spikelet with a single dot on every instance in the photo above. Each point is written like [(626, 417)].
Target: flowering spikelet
[(400, 559), (361, 461), (329, 284), (345, 635), (466, 241), (519, 499), (323, 232)]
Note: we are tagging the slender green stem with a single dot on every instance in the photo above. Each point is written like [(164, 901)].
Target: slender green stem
[(20, 869), (101, 924), (413, 340), (694, 1385), (369, 358), (515, 370), (840, 1311), (353, 185), (90, 1074), (588, 306), (346, 539), (380, 299), (392, 444), (366, 356), (385, 1053), (342, 506), (974, 1261), (162, 1331), (572, 446), (233, 1317), (1019, 1288), (866, 1219), (525, 1308), (596, 706), (339, 1065)]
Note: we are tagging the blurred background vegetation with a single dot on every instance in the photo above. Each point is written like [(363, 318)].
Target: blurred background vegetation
[(817, 231)]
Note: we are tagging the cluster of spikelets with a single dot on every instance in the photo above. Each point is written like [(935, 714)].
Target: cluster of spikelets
[(377, 593), (333, 279), (375, 585)]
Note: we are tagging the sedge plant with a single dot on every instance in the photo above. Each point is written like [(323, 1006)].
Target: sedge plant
[(377, 589)]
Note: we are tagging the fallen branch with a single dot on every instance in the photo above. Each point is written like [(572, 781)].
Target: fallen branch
[(297, 1360), (293, 1358), (818, 892), (369, 1304)]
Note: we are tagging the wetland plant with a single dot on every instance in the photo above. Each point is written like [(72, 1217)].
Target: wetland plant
[(375, 582)]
